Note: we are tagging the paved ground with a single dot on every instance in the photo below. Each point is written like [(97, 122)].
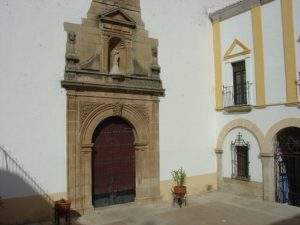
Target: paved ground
[(210, 209)]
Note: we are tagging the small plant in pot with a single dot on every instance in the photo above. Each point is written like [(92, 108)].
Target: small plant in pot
[(179, 178)]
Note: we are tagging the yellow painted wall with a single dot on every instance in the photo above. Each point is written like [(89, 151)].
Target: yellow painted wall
[(218, 66), (258, 56), (289, 50), (195, 185)]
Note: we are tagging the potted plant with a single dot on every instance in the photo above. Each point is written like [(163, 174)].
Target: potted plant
[(179, 178), (62, 209)]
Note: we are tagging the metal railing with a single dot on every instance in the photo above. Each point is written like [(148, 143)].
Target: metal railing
[(10, 165), (236, 95)]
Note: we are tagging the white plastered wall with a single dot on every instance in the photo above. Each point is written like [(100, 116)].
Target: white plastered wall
[(187, 116), (231, 29), (33, 116), (255, 167), (275, 83), (33, 110)]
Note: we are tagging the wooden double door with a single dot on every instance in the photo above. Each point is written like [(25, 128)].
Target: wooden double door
[(113, 163), (239, 83)]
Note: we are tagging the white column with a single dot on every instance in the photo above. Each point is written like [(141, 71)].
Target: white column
[(267, 160)]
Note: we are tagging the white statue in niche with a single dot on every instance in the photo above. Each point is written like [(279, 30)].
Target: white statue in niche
[(115, 56)]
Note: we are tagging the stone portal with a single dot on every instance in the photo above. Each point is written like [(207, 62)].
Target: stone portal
[(111, 71)]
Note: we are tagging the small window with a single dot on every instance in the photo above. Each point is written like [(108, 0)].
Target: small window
[(240, 158), (240, 87)]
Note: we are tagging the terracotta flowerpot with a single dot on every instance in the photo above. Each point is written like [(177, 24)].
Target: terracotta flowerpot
[(63, 205), (179, 191)]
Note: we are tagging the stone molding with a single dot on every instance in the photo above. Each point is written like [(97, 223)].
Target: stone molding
[(244, 124), (86, 108), (219, 151), (106, 17), (270, 135), (229, 53), (235, 9), (238, 109), (134, 114), (135, 84)]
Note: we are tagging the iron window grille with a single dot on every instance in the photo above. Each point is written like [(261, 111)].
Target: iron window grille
[(240, 158)]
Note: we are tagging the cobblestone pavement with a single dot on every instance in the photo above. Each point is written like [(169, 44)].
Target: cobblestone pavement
[(215, 208)]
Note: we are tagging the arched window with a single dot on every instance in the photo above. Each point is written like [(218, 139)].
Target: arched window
[(240, 158)]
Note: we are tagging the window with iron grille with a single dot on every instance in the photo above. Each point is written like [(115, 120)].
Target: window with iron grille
[(240, 158), (237, 94)]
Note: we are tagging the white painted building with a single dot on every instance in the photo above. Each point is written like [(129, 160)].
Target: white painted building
[(201, 115)]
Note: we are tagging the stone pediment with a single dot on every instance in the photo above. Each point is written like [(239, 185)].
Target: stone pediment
[(119, 17), (237, 48)]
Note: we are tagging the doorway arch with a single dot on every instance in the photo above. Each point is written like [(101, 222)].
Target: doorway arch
[(113, 162), (287, 166)]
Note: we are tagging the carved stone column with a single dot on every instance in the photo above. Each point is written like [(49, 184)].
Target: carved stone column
[(71, 147), (219, 154), (105, 66), (86, 168), (129, 63), (267, 160), (139, 165)]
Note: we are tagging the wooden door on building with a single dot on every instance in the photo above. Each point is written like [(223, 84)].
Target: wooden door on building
[(239, 83), (242, 161), (113, 163)]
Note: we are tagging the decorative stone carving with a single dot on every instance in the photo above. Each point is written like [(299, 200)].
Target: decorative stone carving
[(119, 44), (88, 64), (115, 56), (118, 109), (155, 67), (72, 58), (143, 110), (86, 108), (117, 18)]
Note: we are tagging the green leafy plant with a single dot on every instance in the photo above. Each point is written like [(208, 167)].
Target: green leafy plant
[(179, 176)]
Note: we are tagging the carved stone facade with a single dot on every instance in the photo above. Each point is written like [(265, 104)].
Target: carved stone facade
[(112, 38)]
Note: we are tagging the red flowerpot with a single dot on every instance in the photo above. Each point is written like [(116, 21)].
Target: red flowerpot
[(180, 191), (63, 206)]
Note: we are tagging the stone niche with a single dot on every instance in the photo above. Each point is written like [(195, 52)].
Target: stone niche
[(111, 70)]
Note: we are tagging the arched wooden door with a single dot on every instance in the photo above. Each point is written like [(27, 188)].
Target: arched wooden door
[(113, 163)]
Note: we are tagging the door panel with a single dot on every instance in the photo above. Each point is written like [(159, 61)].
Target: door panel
[(239, 83), (113, 163)]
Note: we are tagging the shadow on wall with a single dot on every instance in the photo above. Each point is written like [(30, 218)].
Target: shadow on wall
[(292, 221), (23, 200)]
